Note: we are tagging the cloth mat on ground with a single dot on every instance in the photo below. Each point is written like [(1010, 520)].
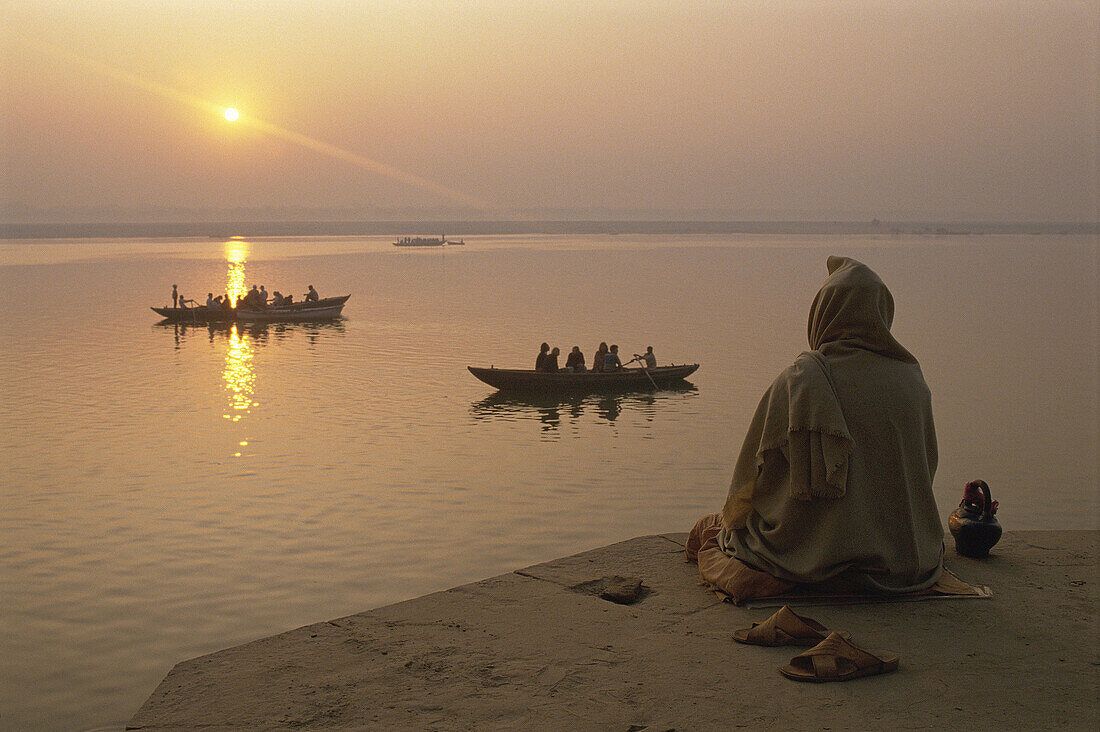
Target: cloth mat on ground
[(949, 587)]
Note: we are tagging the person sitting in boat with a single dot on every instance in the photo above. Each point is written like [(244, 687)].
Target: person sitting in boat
[(540, 360), (227, 303), (252, 297), (611, 361), (647, 358), (598, 359), (312, 295), (277, 298), (575, 360), (834, 479), (213, 303), (550, 364), (184, 301), (263, 297)]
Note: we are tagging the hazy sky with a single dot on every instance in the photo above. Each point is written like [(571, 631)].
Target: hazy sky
[(977, 110)]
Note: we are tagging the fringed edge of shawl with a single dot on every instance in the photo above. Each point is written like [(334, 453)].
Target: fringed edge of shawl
[(835, 443), (836, 451)]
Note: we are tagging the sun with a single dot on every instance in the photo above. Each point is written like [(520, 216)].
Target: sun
[(231, 114)]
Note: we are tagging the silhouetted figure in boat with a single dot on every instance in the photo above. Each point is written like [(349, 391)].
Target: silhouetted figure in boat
[(648, 360), (598, 359), (550, 364), (312, 295), (575, 360), (175, 297), (263, 297), (611, 361), (834, 479), (540, 360), (213, 303)]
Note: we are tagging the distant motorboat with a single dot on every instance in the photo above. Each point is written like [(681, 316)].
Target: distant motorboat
[(424, 241), (419, 241)]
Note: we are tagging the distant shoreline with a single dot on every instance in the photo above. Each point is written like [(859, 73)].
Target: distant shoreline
[(227, 229)]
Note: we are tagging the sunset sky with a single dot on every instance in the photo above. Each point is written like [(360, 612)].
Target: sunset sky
[(981, 111)]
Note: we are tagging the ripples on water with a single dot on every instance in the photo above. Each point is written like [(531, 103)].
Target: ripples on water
[(170, 490)]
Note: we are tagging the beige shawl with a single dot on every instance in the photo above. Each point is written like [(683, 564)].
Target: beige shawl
[(835, 474)]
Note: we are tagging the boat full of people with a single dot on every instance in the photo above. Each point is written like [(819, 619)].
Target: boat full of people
[(627, 379), (421, 241), (324, 309), (256, 306)]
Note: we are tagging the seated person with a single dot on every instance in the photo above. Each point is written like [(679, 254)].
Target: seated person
[(611, 361), (648, 358), (312, 295), (575, 360), (211, 302), (597, 360), (550, 363), (540, 360), (277, 298), (834, 480)]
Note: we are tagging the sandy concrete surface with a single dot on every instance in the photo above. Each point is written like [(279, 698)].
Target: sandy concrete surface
[(539, 649)]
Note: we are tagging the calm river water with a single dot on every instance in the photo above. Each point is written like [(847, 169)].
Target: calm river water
[(169, 491)]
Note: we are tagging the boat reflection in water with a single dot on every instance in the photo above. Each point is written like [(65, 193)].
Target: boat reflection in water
[(550, 408), (242, 342), (259, 332)]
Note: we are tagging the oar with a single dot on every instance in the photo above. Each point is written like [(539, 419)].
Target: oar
[(644, 370)]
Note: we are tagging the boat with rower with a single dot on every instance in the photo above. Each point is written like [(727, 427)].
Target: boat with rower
[(629, 379), (327, 308)]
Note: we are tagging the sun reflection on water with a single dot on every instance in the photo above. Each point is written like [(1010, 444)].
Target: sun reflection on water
[(239, 375), (236, 253)]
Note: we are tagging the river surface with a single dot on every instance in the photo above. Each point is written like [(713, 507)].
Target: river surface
[(168, 491)]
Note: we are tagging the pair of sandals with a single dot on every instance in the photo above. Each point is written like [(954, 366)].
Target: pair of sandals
[(833, 656)]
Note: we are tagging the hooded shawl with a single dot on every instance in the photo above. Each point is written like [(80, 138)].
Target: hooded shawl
[(835, 474)]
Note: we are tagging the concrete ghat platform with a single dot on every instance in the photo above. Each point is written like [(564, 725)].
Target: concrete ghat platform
[(523, 650)]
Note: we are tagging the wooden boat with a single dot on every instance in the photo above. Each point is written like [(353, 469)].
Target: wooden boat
[(324, 309), (625, 380), (200, 314)]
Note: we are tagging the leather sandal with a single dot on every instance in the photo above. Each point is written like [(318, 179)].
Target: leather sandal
[(836, 659), (784, 628)]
